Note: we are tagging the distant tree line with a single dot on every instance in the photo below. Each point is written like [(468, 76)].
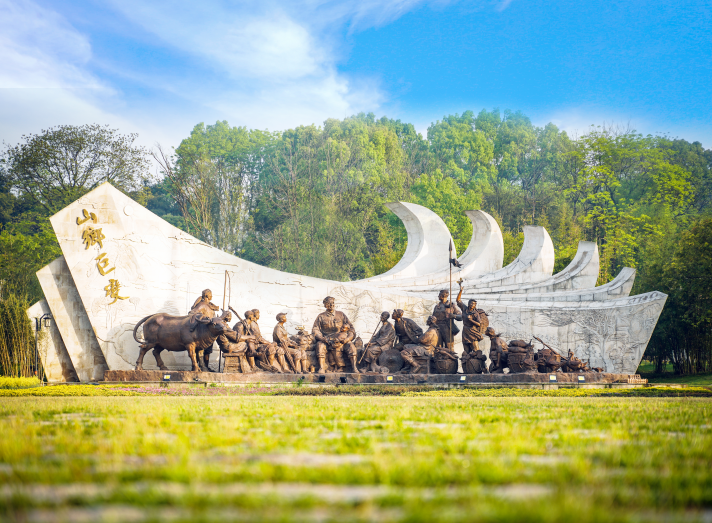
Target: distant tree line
[(310, 200)]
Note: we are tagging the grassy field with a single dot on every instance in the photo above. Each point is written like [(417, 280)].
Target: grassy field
[(647, 370), (355, 458)]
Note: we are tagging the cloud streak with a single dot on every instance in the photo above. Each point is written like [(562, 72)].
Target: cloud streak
[(261, 64)]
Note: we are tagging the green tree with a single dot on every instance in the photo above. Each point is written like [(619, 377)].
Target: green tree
[(62, 163)]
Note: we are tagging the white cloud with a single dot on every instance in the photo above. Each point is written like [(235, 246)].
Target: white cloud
[(39, 49), (266, 64)]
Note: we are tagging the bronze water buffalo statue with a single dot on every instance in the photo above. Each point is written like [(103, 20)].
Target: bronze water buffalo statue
[(194, 333)]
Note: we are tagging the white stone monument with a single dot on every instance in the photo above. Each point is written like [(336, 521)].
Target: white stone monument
[(121, 263)]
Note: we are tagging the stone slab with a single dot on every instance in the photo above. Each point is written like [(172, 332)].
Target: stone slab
[(72, 321), (343, 378), (56, 361)]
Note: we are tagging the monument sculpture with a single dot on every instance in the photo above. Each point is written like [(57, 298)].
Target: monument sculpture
[(122, 265)]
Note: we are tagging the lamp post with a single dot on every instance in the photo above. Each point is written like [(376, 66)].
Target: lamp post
[(46, 318)]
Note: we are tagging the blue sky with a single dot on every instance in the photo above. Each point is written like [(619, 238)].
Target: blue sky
[(160, 67)]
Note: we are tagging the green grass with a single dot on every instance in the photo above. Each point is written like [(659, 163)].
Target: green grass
[(647, 370), (355, 458), (352, 390), (700, 380)]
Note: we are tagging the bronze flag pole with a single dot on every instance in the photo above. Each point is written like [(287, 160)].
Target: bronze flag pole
[(452, 261)]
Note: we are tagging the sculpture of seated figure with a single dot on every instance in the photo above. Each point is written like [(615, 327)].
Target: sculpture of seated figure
[(327, 326), (269, 355), (382, 340), (235, 342), (425, 348), (293, 352)]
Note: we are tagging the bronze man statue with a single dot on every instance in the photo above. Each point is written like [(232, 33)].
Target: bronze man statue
[(407, 331), (235, 342), (292, 350), (326, 327), (474, 323), (382, 340), (425, 348), (267, 352), (203, 306), (446, 313)]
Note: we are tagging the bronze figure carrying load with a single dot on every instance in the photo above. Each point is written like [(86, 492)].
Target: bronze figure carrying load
[(547, 359), (573, 364), (520, 357), (498, 352)]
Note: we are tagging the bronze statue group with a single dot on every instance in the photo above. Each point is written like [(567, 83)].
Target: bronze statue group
[(333, 345)]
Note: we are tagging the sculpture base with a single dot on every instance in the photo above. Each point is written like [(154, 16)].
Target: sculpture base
[(265, 378)]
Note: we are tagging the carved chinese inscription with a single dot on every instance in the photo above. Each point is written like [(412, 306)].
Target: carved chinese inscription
[(87, 216), (102, 263), (112, 291), (90, 236)]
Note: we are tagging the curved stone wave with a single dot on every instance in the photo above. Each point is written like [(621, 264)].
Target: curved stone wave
[(428, 242), (535, 263), (617, 288), (581, 273), (482, 256)]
